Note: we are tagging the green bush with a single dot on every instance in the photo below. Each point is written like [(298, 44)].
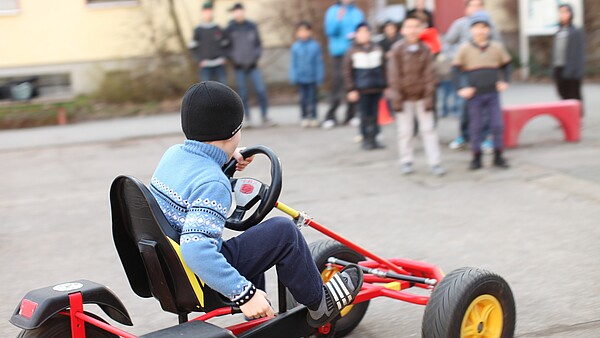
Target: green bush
[(140, 85)]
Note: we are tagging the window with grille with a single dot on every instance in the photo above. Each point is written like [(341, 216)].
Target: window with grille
[(112, 2)]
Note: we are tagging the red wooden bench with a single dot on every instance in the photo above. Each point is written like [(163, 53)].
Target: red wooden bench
[(567, 112)]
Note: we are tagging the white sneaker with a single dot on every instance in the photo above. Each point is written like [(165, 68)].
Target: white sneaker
[(313, 123), (438, 170), (458, 143), (328, 124), (406, 169), (305, 123), (354, 122), (268, 123)]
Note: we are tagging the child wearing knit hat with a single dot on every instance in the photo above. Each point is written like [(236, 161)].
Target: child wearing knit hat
[(195, 196), (486, 65)]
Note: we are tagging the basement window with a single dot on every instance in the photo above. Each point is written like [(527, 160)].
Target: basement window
[(9, 7), (112, 3)]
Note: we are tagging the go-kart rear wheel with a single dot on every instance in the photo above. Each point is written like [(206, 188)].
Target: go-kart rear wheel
[(59, 326), (352, 314), (470, 302)]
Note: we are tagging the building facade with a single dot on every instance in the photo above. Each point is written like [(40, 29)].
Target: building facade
[(72, 43)]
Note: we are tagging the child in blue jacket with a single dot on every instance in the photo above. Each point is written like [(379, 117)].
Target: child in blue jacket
[(306, 71), (195, 196)]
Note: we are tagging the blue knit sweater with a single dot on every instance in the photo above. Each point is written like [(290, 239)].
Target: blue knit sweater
[(195, 196)]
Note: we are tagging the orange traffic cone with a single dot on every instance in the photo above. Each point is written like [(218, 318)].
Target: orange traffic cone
[(61, 117), (384, 117)]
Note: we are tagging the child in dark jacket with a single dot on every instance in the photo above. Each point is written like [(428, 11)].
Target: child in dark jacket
[(307, 71), (245, 49), (364, 77), (483, 61)]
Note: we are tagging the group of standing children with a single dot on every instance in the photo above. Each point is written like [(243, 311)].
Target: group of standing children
[(406, 75)]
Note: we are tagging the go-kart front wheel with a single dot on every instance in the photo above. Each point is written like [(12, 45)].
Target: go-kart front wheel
[(470, 302), (352, 314), (59, 326)]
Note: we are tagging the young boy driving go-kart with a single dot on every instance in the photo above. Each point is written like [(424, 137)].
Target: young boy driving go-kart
[(195, 196)]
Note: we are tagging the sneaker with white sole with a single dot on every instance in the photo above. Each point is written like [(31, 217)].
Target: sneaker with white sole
[(267, 122), (328, 124), (487, 147), (406, 169), (339, 292), (438, 170), (313, 123), (305, 123), (354, 122), (458, 143)]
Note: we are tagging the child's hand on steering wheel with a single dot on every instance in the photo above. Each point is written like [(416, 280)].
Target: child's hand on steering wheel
[(241, 162)]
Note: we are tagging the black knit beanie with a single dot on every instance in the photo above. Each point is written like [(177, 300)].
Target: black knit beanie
[(211, 111)]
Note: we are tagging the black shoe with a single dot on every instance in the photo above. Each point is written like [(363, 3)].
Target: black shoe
[(500, 161), (338, 292), (378, 145), (368, 145), (475, 162)]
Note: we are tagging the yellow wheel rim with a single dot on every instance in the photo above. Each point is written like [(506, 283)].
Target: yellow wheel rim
[(327, 274), (483, 318)]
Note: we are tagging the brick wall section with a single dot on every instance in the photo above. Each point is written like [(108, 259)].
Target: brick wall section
[(592, 27)]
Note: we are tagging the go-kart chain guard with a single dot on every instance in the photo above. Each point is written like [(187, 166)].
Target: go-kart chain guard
[(40, 304)]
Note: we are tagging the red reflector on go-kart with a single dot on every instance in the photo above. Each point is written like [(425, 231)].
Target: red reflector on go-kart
[(247, 189), (27, 308)]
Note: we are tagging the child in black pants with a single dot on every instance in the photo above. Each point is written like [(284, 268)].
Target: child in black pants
[(364, 77)]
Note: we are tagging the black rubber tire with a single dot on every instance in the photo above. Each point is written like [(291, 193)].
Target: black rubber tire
[(321, 251), (59, 326), (451, 298)]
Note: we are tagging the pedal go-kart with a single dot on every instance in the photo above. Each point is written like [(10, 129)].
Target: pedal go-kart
[(467, 302)]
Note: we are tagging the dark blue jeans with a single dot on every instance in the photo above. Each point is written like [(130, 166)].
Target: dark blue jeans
[(447, 92), (241, 79), (368, 106), (477, 106), (308, 100), (276, 242), (213, 74)]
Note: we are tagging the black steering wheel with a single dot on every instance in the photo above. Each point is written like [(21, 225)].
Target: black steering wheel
[(248, 191)]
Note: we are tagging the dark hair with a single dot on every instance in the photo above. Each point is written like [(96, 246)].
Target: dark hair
[(570, 9), (305, 24), (417, 16), (467, 2), (361, 25), (388, 22)]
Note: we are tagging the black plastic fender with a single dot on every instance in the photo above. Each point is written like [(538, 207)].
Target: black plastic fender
[(40, 304)]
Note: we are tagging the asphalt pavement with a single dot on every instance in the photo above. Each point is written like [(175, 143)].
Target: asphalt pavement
[(536, 224)]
